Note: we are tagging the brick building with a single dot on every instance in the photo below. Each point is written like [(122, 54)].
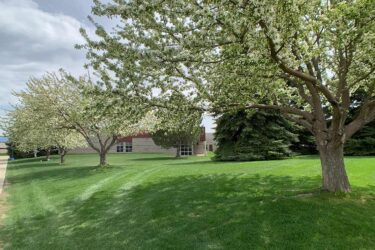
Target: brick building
[(143, 143)]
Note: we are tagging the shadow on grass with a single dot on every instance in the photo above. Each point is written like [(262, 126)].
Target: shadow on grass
[(53, 174), (26, 161), (212, 162), (205, 212), (53, 171), (29, 165)]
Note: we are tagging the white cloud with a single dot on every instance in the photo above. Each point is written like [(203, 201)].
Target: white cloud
[(32, 42), (28, 31)]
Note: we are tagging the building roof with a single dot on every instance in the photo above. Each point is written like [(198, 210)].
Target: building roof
[(129, 138), (148, 135)]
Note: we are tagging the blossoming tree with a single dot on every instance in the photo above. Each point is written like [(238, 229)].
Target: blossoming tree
[(79, 105), (29, 129)]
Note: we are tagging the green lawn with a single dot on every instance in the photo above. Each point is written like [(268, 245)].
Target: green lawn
[(151, 201)]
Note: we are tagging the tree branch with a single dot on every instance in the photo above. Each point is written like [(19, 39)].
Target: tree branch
[(289, 110), (299, 121), (305, 77), (366, 115), (364, 76)]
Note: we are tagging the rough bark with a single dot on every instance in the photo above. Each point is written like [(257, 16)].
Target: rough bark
[(103, 158), (334, 177), (62, 153), (62, 159), (103, 148)]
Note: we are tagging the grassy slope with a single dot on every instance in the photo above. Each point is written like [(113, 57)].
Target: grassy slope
[(156, 202)]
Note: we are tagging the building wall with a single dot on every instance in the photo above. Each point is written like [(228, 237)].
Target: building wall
[(3, 148), (211, 143), (82, 150), (147, 145), (200, 148), (143, 145)]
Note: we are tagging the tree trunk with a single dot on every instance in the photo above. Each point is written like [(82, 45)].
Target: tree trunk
[(103, 159), (48, 154), (334, 175), (35, 153), (62, 153), (178, 151), (62, 158)]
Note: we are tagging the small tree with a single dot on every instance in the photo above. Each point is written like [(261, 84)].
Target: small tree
[(260, 135), (25, 135), (30, 129), (65, 140)]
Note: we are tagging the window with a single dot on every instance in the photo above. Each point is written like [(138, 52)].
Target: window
[(124, 147), (120, 147), (186, 150), (128, 147)]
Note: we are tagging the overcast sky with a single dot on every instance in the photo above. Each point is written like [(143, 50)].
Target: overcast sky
[(38, 36)]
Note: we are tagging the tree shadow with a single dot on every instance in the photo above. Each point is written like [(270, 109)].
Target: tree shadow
[(35, 164), (53, 174), (25, 161), (204, 212), (53, 171)]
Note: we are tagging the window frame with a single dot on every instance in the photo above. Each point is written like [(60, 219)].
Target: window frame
[(120, 147), (186, 149), (128, 147)]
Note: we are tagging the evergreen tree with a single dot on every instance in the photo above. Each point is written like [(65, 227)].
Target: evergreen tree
[(305, 145), (259, 135), (363, 142)]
